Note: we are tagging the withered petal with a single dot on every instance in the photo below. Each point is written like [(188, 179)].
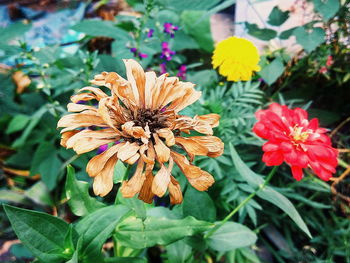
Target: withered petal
[(162, 151), (103, 182), (133, 186), (161, 181), (175, 191), (128, 150)]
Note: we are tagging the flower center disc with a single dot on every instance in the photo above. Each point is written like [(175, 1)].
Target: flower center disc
[(298, 135), (152, 118)]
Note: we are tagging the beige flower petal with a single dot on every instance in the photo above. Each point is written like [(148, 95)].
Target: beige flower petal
[(213, 144), (133, 186), (81, 119), (98, 92), (136, 77), (135, 131), (162, 151), (149, 85), (103, 182), (98, 162), (188, 98), (104, 134), (161, 181), (175, 191), (166, 88), (156, 90), (128, 150), (72, 107), (133, 159), (146, 193), (191, 146), (66, 135), (83, 97), (168, 135), (211, 119), (109, 111), (176, 91), (203, 182), (88, 144)]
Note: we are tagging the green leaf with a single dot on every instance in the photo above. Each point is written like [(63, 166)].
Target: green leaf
[(204, 208), (180, 5), (231, 236), (40, 194), (282, 202), (98, 28), (272, 71), (96, 228), (17, 123), (77, 192), (287, 33), (267, 193), (260, 33), (178, 252), (47, 164), (327, 8), (11, 196), (15, 30), (135, 233), (125, 260), (119, 172), (309, 39), (277, 17), (134, 204), (198, 28), (41, 233), (33, 122)]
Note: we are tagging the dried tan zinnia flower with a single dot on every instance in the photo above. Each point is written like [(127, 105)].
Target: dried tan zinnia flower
[(140, 120)]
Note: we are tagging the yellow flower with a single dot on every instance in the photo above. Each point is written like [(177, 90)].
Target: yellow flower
[(236, 58), (141, 118)]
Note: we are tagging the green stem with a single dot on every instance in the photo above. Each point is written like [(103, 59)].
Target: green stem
[(243, 203)]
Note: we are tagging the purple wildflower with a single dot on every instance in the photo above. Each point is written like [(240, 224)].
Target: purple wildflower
[(167, 53), (102, 148), (133, 50), (81, 102), (150, 33), (162, 68), (143, 55), (170, 29), (182, 72)]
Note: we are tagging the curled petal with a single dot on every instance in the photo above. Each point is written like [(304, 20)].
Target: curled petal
[(175, 191), (98, 92), (192, 147), (83, 97), (66, 135), (161, 181), (103, 182), (98, 162), (73, 107), (146, 193), (163, 152), (137, 79), (128, 150), (133, 186), (81, 119), (203, 182), (168, 135)]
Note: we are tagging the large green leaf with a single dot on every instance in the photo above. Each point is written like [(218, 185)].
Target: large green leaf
[(180, 5), (47, 164), (77, 192), (41, 233), (39, 193), (17, 123), (198, 28), (231, 236), (178, 252), (309, 39), (268, 193), (327, 8), (98, 28), (199, 205), (135, 233), (125, 260), (260, 33), (96, 228), (271, 72), (277, 17), (16, 30)]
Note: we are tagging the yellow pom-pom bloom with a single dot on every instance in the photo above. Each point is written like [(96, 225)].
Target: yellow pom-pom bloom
[(237, 58)]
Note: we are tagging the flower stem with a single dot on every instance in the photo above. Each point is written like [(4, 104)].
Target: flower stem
[(243, 203)]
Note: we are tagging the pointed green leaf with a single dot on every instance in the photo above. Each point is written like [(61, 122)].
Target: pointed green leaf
[(327, 8), (271, 72), (260, 33), (41, 233), (135, 233), (96, 228), (77, 192), (309, 39), (268, 193), (204, 208), (231, 236), (277, 17)]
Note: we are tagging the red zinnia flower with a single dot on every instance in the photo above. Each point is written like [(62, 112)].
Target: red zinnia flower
[(296, 140)]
